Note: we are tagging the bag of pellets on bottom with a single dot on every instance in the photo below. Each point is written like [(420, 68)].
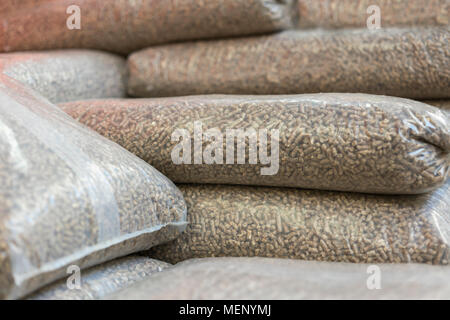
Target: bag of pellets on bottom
[(70, 198), (101, 280), (315, 225)]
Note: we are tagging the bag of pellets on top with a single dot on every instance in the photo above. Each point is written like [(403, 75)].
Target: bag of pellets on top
[(329, 141), (402, 62), (124, 26), (70, 197)]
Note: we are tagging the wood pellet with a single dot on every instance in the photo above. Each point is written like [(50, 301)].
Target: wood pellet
[(68, 75), (70, 197), (244, 221), (102, 280), (123, 26), (410, 63), (344, 142)]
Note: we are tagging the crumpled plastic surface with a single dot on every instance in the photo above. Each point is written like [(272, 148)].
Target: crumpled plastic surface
[(409, 63), (355, 13), (71, 197), (333, 141), (100, 281), (68, 75), (262, 278), (123, 26), (243, 221)]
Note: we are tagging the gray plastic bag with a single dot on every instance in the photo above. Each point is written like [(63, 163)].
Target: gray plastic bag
[(102, 280), (68, 75)]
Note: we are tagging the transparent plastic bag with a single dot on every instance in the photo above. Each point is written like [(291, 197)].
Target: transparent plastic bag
[(266, 279), (409, 63), (441, 104), (102, 280), (357, 13), (312, 225), (71, 197), (67, 75), (124, 26), (344, 142)]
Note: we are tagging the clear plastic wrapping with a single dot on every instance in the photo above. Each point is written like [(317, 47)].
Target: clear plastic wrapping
[(266, 279), (102, 280), (410, 63), (355, 13), (124, 26), (67, 75), (312, 225), (344, 142), (441, 104), (71, 197)]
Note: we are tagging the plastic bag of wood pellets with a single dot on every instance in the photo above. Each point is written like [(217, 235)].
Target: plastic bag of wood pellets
[(262, 278), (312, 225), (70, 197), (67, 75), (410, 63), (99, 281), (364, 13), (344, 142), (124, 26)]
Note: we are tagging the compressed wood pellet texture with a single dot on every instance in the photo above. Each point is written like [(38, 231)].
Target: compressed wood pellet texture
[(100, 281), (123, 26), (354, 13), (263, 278), (67, 75), (344, 142), (410, 63), (243, 221), (71, 197)]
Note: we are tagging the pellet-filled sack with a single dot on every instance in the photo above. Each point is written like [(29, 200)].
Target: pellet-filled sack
[(71, 197), (267, 279), (67, 75), (364, 13), (312, 225), (100, 281), (123, 26), (344, 142), (410, 63)]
